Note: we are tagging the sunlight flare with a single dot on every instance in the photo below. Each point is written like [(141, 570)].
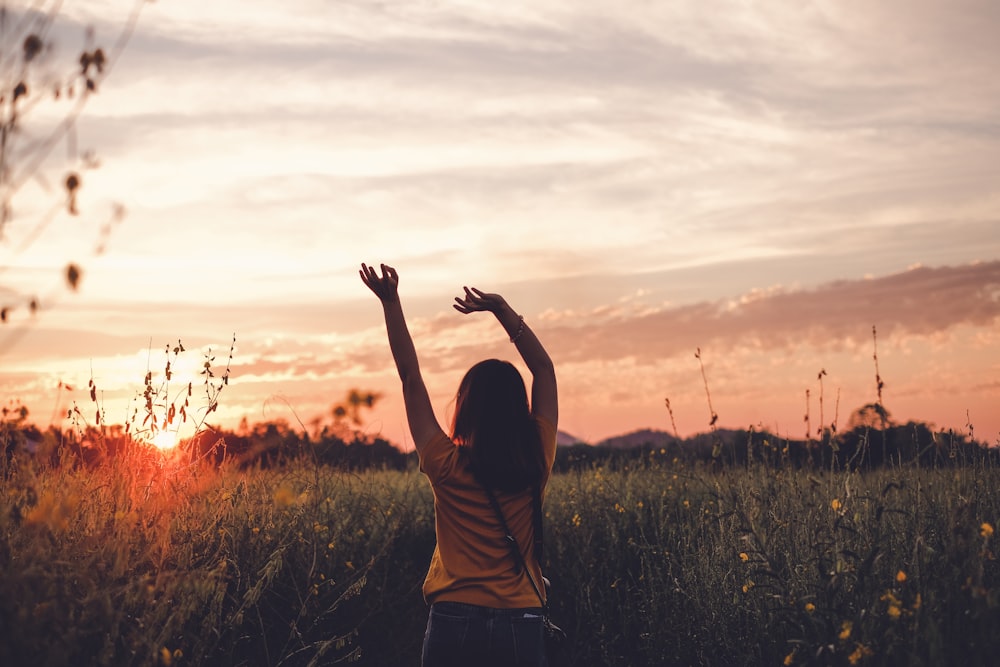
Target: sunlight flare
[(165, 440)]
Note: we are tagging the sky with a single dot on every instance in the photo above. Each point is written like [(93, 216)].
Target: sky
[(760, 182)]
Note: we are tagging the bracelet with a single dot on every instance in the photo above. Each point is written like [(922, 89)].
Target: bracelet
[(520, 329)]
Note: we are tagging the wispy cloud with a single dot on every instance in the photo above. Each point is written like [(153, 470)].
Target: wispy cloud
[(661, 135), (922, 301)]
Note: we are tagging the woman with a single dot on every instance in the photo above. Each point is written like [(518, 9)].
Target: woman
[(484, 610)]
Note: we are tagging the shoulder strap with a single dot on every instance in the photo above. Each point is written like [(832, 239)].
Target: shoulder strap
[(536, 510), (515, 550)]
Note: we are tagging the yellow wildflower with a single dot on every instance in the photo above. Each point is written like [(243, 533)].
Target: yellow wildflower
[(893, 611), (860, 651), (789, 659), (893, 600), (835, 504), (810, 607), (900, 576), (845, 630), (576, 521), (166, 657), (744, 557), (986, 530)]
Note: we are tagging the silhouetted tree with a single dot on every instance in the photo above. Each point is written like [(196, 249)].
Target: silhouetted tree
[(870, 415)]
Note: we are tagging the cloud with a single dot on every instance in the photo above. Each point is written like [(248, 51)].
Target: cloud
[(922, 302), (661, 133)]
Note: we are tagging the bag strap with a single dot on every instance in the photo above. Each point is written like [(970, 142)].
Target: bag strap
[(508, 537), (536, 509)]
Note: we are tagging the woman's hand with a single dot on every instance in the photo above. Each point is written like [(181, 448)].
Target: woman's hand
[(384, 287), (478, 301), (419, 414), (544, 393)]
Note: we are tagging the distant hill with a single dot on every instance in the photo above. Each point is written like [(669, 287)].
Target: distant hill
[(642, 438), (648, 437), (564, 439)]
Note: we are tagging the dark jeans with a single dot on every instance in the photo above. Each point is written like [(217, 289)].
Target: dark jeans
[(464, 634)]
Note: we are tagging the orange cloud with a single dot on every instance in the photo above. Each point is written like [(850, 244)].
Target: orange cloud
[(921, 301)]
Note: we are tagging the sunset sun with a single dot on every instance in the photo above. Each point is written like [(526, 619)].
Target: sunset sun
[(165, 440)]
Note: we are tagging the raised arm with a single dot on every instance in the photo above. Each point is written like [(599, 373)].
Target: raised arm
[(419, 412), (544, 393)]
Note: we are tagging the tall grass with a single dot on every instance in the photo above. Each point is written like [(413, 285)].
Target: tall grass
[(146, 560), (762, 566)]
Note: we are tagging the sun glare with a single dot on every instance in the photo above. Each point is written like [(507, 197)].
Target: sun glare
[(165, 440)]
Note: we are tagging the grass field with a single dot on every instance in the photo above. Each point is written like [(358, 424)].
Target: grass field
[(148, 561)]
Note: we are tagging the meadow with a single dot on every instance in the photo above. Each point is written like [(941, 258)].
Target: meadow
[(148, 559)]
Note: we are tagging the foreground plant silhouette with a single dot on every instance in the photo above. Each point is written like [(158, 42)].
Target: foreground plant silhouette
[(36, 84)]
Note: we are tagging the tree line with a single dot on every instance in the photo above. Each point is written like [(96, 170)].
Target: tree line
[(865, 446)]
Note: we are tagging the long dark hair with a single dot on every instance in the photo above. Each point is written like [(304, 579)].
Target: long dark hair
[(494, 424)]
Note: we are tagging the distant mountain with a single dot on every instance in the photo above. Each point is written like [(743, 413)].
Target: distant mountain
[(564, 439), (641, 438), (648, 437), (654, 438)]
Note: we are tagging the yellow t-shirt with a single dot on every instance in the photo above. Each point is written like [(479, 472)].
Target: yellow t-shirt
[(472, 563)]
